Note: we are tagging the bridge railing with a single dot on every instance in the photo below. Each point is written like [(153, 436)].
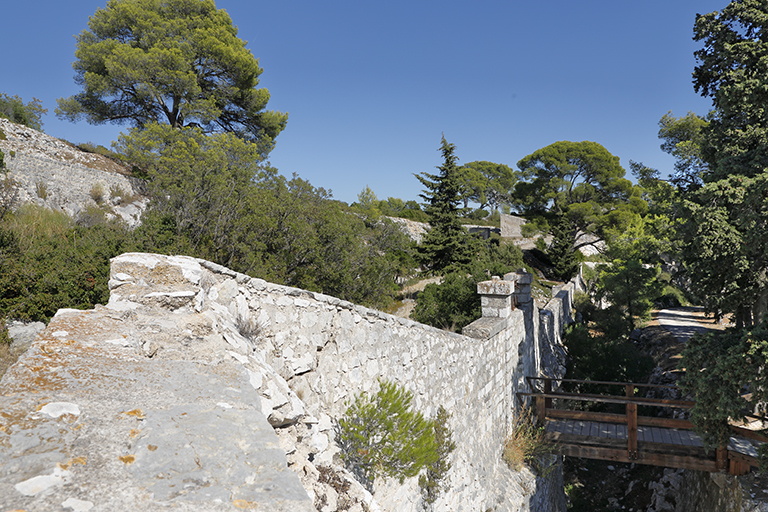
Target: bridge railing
[(544, 396)]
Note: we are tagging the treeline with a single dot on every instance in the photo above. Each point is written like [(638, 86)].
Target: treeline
[(213, 198)]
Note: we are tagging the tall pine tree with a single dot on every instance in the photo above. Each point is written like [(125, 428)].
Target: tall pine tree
[(447, 246)]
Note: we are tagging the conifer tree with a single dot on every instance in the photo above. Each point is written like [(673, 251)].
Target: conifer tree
[(561, 250), (447, 245)]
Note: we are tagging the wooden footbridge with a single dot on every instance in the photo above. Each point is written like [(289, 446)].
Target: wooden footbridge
[(629, 437)]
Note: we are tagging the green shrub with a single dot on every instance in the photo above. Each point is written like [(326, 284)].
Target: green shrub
[(671, 297), (90, 147), (582, 302), (48, 263), (597, 357), (380, 435), (14, 109), (449, 305)]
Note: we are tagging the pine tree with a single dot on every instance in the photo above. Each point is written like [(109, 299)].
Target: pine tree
[(447, 245)]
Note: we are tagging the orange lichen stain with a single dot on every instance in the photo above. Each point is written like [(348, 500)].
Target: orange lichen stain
[(134, 433), (135, 412), (151, 447), (250, 505), (78, 426), (127, 459), (71, 462)]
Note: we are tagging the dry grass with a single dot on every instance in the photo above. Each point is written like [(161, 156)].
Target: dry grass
[(525, 443)]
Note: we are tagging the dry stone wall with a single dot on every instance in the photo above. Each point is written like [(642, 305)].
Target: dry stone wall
[(193, 345)]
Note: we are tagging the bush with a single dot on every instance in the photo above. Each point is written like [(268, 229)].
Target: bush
[(14, 109), (381, 435), (671, 297), (41, 189), (449, 305), (48, 263), (594, 356), (97, 193)]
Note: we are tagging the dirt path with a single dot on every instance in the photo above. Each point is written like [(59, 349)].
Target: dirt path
[(682, 323)]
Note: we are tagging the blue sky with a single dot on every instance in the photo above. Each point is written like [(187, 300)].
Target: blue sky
[(370, 87)]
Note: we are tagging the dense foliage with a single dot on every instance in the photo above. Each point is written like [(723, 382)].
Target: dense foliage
[(48, 262), (722, 368), (726, 236), (454, 303), (487, 183), (173, 61), (580, 181), (432, 481), (597, 355)]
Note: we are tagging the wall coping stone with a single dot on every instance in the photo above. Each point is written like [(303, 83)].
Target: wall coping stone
[(485, 327)]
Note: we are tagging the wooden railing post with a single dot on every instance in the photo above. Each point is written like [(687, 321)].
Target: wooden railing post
[(543, 403), (547, 390), (631, 425)]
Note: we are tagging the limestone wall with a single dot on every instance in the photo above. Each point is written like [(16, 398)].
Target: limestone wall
[(303, 354)]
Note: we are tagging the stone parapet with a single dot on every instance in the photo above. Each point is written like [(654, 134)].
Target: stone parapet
[(523, 281), (496, 297)]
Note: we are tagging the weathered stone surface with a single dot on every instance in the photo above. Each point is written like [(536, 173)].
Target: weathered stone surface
[(88, 418)]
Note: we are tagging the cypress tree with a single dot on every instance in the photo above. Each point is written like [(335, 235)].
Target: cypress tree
[(561, 250)]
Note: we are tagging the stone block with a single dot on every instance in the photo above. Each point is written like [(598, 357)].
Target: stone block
[(496, 287)]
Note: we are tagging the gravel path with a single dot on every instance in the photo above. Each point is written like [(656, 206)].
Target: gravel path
[(682, 323)]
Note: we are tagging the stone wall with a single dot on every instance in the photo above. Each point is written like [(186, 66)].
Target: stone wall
[(293, 358)]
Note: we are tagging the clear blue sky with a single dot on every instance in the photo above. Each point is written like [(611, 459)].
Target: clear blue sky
[(371, 86)]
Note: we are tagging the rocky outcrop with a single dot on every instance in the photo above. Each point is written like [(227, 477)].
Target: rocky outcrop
[(53, 173)]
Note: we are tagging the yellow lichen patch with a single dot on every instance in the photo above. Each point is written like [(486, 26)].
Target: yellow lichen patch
[(151, 447), (134, 433), (138, 413), (127, 459), (249, 505), (71, 462)]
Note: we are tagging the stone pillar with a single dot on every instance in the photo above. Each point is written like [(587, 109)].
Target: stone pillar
[(522, 280), (496, 297)]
